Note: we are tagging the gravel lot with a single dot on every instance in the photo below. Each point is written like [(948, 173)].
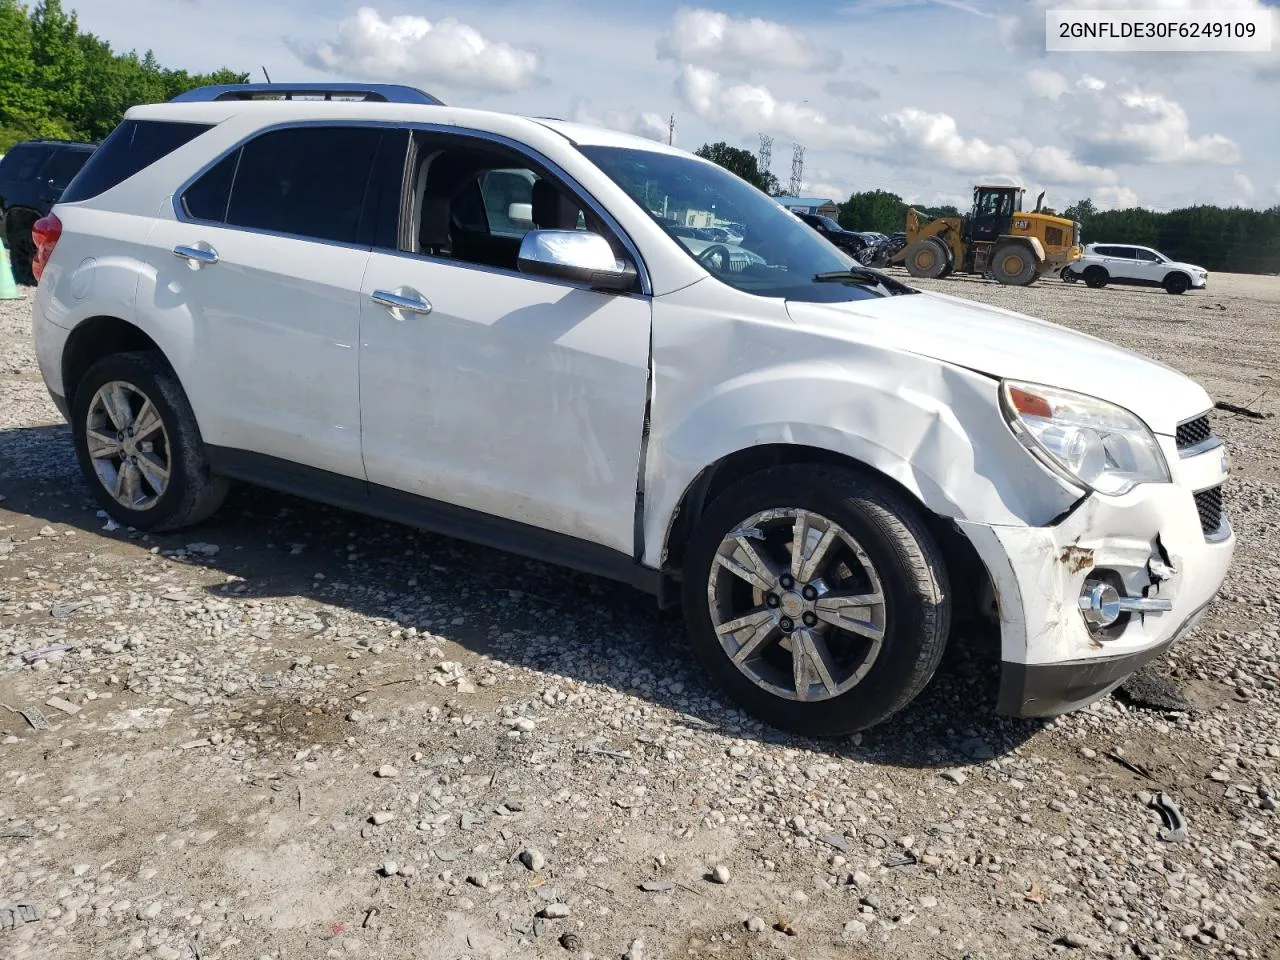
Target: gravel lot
[(299, 733)]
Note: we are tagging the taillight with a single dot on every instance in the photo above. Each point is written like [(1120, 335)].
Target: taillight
[(45, 234)]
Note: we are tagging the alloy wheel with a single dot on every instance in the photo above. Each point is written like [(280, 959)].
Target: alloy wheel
[(128, 445)]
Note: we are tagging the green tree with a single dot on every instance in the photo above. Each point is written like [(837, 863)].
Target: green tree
[(876, 210), (740, 162), (56, 81)]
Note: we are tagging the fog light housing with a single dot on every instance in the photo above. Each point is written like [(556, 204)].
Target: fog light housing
[(1101, 605)]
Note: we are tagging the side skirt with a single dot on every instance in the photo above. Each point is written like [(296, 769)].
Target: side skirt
[(435, 516)]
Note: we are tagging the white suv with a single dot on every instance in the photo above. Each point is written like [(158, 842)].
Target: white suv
[(827, 468), (1104, 263)]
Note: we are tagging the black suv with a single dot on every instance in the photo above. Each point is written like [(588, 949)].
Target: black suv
[(33, 175), (848, 241)]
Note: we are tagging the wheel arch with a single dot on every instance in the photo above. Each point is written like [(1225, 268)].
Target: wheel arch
[(95, 338), (972, 588)]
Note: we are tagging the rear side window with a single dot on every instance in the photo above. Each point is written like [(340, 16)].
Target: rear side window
[(23, 162), (66, 163), (206, 199), (132, 146), (306, 181)]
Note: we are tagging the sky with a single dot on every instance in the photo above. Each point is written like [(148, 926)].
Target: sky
[(920, 97)]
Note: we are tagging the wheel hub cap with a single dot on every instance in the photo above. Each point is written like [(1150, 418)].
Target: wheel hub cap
[(128, 445), (797, 605)]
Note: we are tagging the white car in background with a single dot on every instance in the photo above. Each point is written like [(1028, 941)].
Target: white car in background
[(1104, 263)]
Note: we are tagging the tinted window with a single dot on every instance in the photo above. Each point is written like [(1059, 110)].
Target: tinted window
[(132, 146), (206, 199), (1146, 255), (64, 165), (306, 181), (508, 201), (23, 162), (1105, 251)]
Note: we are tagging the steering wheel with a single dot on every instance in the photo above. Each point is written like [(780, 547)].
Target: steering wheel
[(717, 251)]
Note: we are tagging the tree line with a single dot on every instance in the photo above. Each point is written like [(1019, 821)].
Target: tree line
[(57, 81)]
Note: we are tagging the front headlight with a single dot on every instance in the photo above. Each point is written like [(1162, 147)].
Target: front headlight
[(1088, 441)]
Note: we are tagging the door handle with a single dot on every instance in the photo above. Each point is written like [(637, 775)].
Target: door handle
[(196, 255), (393, 301)]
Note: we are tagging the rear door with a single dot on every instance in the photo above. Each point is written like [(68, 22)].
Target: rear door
[(262, 262)]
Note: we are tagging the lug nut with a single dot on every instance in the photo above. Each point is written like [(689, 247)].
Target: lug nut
[(810, 592), (810, 620), (786, 624), (771, 600), (786, 581)]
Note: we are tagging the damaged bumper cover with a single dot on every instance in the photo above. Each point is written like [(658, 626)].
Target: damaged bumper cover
[(1150, 543)]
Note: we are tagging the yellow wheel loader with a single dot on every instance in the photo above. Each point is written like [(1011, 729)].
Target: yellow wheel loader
[(995, 239)]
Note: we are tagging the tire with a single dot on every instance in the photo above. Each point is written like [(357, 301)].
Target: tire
[(22, 249), (1013, 265), (907, 572), (1177, 283), (1067, 276), (1096, 277), (928, 258), (192, 492)]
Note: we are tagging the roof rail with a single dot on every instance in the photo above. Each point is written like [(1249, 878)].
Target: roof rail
[(368, 92)]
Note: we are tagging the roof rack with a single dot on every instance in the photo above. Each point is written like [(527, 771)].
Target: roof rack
[(368, 92)]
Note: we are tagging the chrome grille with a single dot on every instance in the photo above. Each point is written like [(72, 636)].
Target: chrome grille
[(1194, 431), (1209, 506)]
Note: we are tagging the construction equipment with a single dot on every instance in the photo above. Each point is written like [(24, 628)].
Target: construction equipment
[(995, 239)]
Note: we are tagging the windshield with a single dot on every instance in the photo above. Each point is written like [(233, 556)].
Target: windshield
[(772, 252)]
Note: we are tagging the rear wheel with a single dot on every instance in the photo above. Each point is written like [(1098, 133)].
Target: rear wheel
[(1014, 265), (1177, 283), (928, 258), (22, 249), (816, 598), (139, 447), (1096, 277)]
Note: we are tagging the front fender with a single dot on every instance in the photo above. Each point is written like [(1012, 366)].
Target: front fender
[(934, 428)]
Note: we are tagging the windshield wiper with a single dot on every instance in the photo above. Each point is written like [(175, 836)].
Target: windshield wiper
[(865, 277)]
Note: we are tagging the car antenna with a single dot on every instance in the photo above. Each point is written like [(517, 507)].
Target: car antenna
[(265, 74)]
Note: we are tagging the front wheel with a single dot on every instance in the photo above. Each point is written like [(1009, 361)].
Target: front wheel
[(816, 598), (1177, 283)]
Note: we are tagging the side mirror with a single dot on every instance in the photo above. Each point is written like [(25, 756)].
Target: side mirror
[(520, 212), (576, 255)]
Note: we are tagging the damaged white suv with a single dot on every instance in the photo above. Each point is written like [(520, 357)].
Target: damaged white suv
[(491, 326)]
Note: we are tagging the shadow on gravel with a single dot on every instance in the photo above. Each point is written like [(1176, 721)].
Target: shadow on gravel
[(517, 611)]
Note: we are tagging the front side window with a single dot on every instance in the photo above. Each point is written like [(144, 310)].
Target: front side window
[(306, 181), (774, 253)]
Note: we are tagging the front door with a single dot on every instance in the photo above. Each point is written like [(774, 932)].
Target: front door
[(489, 390), (266, 278), (991, 216)]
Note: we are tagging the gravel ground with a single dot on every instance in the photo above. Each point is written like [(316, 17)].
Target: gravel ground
[(299, 733)]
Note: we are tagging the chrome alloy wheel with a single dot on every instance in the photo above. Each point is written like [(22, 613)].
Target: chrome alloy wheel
[(128, 445), (797, 605)]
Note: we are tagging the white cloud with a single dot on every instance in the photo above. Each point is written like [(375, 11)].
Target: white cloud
[(851, 90), (749, 109), (1144, 127), (642, 123), (1047, 84), (1057, 165), (937, 136), (1114, 198), (410, 48), (1088, 82), (1244, 185), (709, 38)]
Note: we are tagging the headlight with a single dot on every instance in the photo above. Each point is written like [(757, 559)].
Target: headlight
[(1088, 441)]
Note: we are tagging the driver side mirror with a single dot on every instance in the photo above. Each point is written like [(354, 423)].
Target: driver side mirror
[(576, 255)]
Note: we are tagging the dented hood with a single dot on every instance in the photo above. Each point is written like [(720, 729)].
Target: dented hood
[(1001, 343)]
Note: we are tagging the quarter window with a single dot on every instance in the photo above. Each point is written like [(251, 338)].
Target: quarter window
[(206, 199), (305, 181), (131, 147)]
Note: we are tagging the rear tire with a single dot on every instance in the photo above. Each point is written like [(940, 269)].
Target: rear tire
[(1013, 265), (928, 259), (22, 249), (1096, 278), (872, 664), (1177, 283), (159, 478)]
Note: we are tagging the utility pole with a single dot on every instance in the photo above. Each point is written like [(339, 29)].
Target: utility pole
[(797, 169), (671, 130)]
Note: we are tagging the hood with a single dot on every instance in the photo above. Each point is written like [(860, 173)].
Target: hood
[(1001, 343), (1193, 268)]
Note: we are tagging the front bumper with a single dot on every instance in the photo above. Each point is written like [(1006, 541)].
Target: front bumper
[(1148, 543)]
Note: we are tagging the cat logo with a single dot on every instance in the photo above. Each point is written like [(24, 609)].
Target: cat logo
[(1022, 224)]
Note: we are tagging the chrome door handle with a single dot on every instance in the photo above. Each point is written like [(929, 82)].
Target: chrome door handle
[(393, 301), (196, 254)]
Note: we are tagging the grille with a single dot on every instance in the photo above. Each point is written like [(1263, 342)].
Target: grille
[(1209, 506), (1194, 431), (1053, 236)]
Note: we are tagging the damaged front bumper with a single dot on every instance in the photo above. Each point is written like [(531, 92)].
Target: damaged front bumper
[(1157, 542)]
